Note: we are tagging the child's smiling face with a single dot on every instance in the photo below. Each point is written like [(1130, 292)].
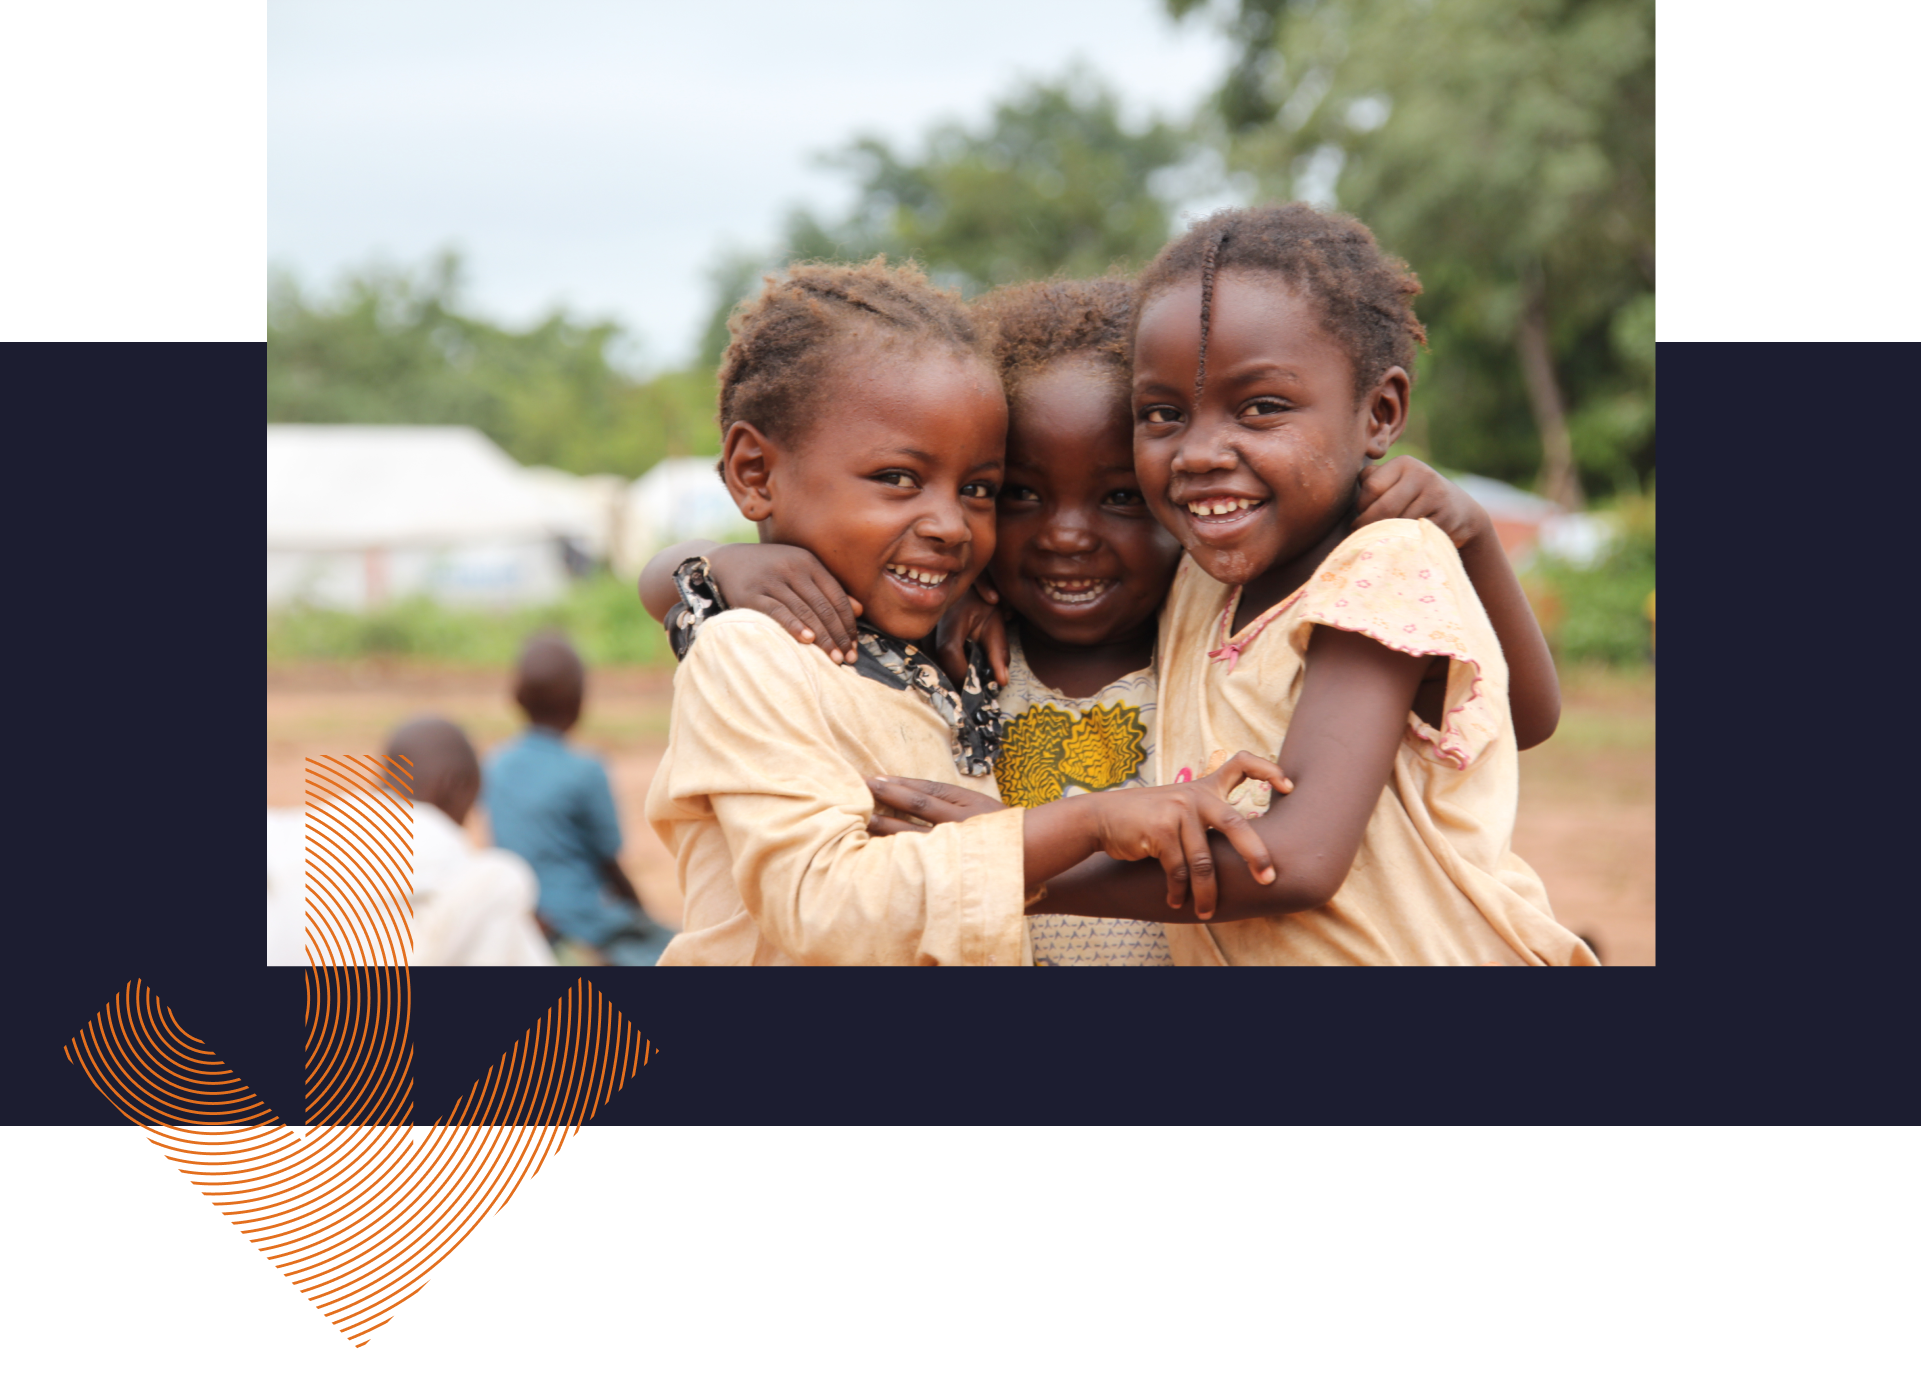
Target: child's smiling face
[(892, 487), (1080, 556), (1263, 470)]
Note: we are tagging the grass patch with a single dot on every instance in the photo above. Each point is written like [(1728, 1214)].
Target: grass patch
[(601, 613), (1599, 614)]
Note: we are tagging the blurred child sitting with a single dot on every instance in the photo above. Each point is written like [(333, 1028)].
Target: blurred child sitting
[(552, 805), (471, 907)]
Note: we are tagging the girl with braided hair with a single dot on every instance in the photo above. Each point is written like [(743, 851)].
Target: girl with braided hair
[(863, 424)]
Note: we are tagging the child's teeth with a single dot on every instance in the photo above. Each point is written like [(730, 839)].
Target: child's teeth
[(915, 574), (1220, 507), (1077, 592)]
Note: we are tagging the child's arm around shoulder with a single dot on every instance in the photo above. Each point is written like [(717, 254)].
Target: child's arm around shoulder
[(1406, 488), (788, 585)]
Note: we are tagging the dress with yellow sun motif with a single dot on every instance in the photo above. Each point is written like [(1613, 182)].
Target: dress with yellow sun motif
[(1059, 746)]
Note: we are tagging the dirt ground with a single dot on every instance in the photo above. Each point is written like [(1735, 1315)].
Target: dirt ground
[(1586, 821)]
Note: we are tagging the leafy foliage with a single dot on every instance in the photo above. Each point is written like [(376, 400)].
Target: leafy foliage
[(393, 347), (1599, 613), (1053, 181), (1506, 149)]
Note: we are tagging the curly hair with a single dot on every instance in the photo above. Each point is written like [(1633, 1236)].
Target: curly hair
[(786, 339), (1034, 323), (1365, 295)]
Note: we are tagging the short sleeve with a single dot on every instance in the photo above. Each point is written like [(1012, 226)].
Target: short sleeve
[(1401, 583)]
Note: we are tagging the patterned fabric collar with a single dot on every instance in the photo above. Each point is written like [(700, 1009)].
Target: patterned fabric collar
[(972, 710)]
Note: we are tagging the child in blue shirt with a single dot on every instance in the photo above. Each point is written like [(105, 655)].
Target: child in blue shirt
[(552, 805)]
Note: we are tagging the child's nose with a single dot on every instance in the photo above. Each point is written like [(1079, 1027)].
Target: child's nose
[(1209, 451), (1068, 534), (942, 521)]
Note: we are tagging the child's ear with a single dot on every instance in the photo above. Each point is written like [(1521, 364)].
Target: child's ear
[(1387, 410), (747, 459)]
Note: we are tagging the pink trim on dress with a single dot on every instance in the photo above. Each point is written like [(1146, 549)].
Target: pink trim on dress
[(1231, 648)]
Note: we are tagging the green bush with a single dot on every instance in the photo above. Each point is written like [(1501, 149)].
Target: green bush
[(601, 613), (1598, 613)]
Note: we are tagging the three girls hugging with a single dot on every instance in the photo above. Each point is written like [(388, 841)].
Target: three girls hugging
[(1260, 693)]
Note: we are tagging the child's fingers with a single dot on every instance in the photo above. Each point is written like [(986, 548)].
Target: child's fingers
[(792, 618), (994, 640), (1200, 864), (951, 650), (1172, 856), (1246, 840), (935, 802), (829, 605), (1244, 765)]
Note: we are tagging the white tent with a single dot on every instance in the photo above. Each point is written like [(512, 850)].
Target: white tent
[(360, 513), (677, 498)]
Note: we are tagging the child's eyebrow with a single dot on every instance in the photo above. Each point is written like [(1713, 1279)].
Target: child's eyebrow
[(1251, 370)]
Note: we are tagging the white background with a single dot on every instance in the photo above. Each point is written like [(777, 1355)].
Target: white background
[(136, 159), (1538, 1251), (135, 191)]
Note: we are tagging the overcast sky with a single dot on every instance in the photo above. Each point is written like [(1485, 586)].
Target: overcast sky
[(599, 155)]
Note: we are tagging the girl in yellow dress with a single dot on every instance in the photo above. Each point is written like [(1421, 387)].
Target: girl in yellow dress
[(1272, 362)]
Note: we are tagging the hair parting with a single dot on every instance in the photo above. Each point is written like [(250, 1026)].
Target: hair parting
[(787, 338), (1208, 261), (1364, 296)]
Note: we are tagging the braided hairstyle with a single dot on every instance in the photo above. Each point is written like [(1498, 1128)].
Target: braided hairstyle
[(1033, 324), (786, 340), (1365, 295)]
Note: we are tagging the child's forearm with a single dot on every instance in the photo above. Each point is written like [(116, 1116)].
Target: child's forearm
[(1339, 754), (657, 590), (1057, 836), (1533, 686)]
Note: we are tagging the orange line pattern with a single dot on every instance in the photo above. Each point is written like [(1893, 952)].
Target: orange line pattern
[(359, 917), (155, 1073), (358, 1216), (357, 1209)]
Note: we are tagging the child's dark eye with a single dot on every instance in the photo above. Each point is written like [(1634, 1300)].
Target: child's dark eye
[(897, 478), (1266, 405), (1160, 414), (1123, 497), (1020, 493), (980, 491)]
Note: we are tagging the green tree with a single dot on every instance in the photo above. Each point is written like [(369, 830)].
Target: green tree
[(393, 346), (1506, 148), (1053, 180)]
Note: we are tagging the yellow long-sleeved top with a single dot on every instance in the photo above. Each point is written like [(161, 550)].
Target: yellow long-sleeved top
[(762, 798)]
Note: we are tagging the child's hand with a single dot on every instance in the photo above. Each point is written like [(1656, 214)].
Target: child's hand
[(792, 586), (929, 803), (1170, 823), (1406, 488), (975, 618)]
